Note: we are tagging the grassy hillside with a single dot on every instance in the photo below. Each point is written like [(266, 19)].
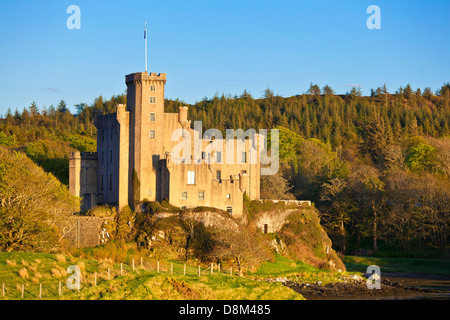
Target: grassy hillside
[(34, 269)]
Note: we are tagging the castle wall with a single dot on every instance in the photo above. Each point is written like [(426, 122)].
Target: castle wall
[(146, 133), (85, 232), (108, 137), (134, 157), (124, 178), (83, 178)]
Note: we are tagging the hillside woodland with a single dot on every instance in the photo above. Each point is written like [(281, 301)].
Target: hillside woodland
[(377, 167)]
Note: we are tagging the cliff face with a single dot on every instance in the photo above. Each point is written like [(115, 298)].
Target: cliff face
[(297, 233), (288, 230)]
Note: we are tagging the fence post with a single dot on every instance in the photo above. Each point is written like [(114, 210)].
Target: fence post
[(142, 262), (199, 271), (59, 289), (133, 264), (171, 268), (211, 268), (157, 266), (184, 270), (231, 271), (40, 291), (23, 287), (95, 279), (121, 269), (218, 268)]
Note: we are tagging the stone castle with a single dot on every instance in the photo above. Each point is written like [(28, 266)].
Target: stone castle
[(134, 159)]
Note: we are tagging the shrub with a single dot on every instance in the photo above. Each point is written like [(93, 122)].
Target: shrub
[(23, 273)]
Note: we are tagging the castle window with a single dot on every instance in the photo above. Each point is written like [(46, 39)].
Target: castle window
[(112, 132), (110, 156), (152, 99), (244, 157), (184, 195), (203, 155), (152, 88), (219, 175), (219, 157), (228, 195), (152, 134), (149, 192), (152, 117), (191, 177), (230, 210), (110, 182), (201, 195), (101, 188)]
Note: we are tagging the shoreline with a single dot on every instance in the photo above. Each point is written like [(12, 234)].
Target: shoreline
[(394, 286)]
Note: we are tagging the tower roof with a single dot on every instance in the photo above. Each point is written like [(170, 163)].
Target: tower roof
[(145, 76)]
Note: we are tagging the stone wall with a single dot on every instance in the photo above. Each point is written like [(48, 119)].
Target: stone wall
[(85, 232)]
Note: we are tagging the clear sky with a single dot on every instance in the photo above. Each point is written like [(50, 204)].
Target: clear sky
[(217, 46)]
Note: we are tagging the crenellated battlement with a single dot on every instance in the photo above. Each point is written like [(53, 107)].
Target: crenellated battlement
[(83, 155), (144, 76)]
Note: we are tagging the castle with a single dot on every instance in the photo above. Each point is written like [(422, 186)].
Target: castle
[(135, 159)]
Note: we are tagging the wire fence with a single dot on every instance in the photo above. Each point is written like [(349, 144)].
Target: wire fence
[(57, 290)]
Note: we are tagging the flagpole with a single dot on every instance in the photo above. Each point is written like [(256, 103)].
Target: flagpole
[(145, 37)]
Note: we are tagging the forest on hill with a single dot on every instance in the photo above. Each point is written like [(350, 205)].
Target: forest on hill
[(377, 167)]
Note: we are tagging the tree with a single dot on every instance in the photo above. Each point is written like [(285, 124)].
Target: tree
[(62, 107), (314, 90), (355, 92), (80, 107), (368, 190), (339, 207), (289, 143), (276, 187), (246, 95), (328, 91), (34, 205), (427, 93), (124, 224), (408, 92), (421, 157), (268, 93), (243, 247), (190, 224), (34, 111), (375, 139)]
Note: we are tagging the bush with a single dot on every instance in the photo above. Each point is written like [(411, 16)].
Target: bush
[(8, 141)]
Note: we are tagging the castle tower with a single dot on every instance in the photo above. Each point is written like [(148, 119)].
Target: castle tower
[(145, 103)]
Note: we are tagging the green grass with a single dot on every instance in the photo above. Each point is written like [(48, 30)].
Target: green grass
[(413, 265), (144, 284), (153, 286), (284, 267)]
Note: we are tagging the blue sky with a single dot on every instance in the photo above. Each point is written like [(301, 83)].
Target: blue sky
[(215, 46)]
